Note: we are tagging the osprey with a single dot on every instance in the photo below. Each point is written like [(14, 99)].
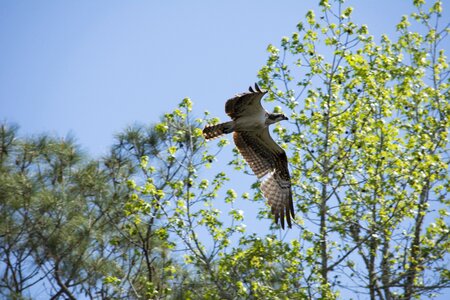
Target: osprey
[(250, 127)]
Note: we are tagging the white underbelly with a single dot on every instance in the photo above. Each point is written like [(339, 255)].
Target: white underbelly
[(251, 123)]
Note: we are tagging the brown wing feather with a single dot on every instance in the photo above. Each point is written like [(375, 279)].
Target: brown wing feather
[(245, 104), (269, 162), (260, 161), (279, 195)]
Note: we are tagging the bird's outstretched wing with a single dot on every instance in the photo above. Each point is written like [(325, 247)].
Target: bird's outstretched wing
[(269, 162), (245, 104)]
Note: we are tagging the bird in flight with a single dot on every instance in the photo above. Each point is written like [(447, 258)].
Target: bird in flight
[(250, 127)]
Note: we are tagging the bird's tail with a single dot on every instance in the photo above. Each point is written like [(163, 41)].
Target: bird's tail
[(214, 131)]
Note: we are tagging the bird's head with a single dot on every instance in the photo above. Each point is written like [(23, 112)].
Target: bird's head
[(273, 118)]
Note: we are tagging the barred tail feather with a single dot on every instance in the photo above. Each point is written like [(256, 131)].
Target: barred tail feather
[(214, 131)]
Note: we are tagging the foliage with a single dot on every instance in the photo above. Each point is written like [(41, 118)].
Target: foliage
[(53, 205), (369, 150)]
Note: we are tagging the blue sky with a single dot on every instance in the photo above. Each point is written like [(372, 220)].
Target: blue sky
[(91, 68)]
